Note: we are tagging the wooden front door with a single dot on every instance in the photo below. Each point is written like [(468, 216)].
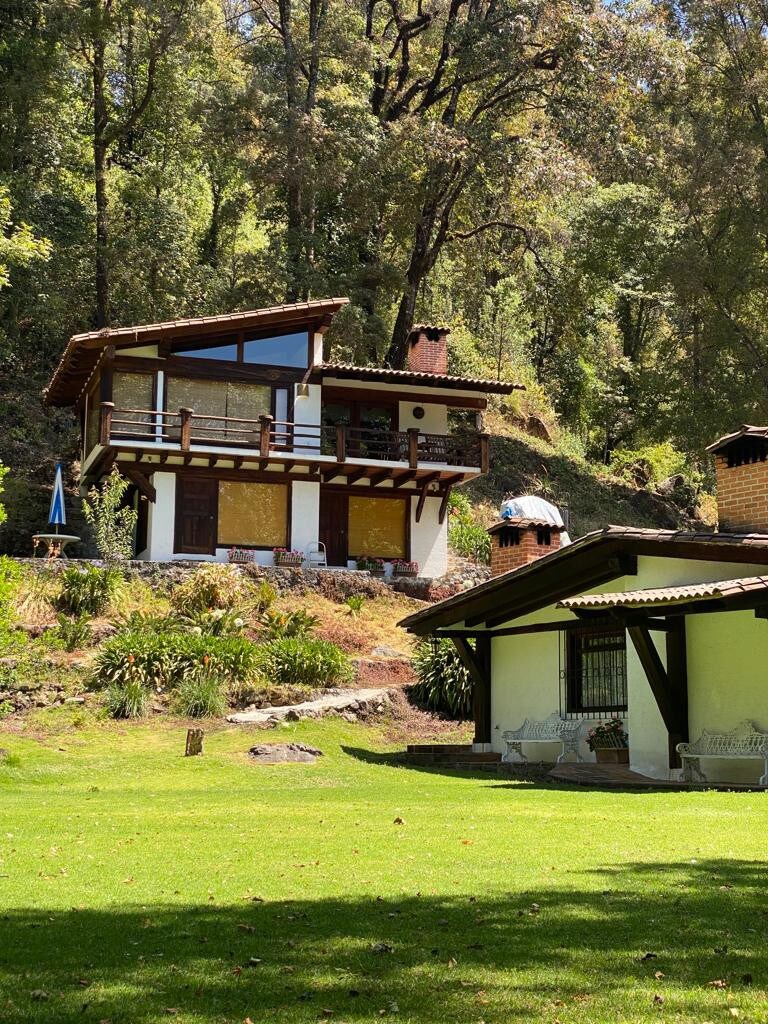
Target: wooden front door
[(333, 525), (196, 513)]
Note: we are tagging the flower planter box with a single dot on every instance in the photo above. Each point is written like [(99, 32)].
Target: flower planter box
[(290, 561), (406, 572), (612, 755), (377, 572), (241, 558)]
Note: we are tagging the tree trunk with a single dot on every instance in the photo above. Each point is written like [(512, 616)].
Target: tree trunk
[(100, 119)]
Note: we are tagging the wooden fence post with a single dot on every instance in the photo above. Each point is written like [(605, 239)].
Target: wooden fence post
[(341, 443), (186, 428), (413, 447), (194, 743), (265, 430), (105, 422)]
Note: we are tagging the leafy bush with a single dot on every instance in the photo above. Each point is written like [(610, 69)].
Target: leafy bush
[(73, 634), (127, 699), (87, 590), (3, 472), (213, 585), (466, 536), (213, 623), (304, 660), (149, 622), (200, 694), (112, 522), (161, 660), (649, 465), (444, 684), (354, 604), (10, 574), (283, 624)]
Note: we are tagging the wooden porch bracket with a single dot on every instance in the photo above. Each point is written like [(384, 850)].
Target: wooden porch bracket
[(477, 662), (420, 503), (668, 685), (145, 487), (444, 506)]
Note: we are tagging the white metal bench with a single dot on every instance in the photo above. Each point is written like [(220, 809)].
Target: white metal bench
[(745, 741), (549, 730)]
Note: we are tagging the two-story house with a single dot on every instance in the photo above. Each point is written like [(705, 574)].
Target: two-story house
[(235, 433)]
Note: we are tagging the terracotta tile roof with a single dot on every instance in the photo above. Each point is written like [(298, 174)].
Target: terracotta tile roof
[(84, 350), (746, 430), (599, 545), (523, 524), (384, 374), (669, 595)]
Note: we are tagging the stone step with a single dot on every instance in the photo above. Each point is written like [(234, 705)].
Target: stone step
[(438, 748), (459, 757)]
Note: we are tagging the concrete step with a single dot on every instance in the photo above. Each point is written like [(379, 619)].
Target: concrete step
[(458, 757), (438, 748)]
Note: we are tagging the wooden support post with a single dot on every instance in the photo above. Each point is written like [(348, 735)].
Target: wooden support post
[(478, 663), (677, 674), (186, 429), (341, 443), (485, 461), (669, 695), (105, 423), (194, 743), (420, 503), (265, 429), (413, 447)]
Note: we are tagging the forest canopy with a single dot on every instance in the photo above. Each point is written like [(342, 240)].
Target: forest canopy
[(577, 188)]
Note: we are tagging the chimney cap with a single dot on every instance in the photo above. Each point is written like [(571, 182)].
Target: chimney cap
[(745, 430), (432, 331)]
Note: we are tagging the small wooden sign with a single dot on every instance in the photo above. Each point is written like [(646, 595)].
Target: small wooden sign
[(194, 742)]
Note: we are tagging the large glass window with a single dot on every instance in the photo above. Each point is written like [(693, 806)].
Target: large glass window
[(227, 353), (377, 527), (132, 392), (253, 515), (594, 670), (286, 350)]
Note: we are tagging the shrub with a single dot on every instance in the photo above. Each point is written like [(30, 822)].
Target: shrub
[(200, 694), (10, 574), (444, 684), (354, 604), (161, 660), (283, 624), (36, 596), (87, 590), (214, 623), (112, 522), (3, 472), (148, 622), (73, 634), (304, 660), (127, 699), (213, 585), (466, 536)]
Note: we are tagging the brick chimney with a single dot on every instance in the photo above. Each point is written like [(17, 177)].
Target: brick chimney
[(428, 349), (741, 471), (516, 542)]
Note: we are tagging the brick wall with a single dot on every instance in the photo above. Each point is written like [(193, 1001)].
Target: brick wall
[(528, 550), (742, 496), (428, 351)]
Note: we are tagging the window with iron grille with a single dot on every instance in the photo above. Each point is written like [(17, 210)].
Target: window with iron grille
[(593, 671)]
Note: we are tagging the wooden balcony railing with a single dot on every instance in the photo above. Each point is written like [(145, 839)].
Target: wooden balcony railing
[(266, 435)]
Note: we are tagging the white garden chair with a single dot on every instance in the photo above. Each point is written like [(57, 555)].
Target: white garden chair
[(316, 555)]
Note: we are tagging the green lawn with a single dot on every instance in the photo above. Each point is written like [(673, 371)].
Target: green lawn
[(136, 886)]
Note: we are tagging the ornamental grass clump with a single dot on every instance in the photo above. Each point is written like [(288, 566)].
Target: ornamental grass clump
[(201, 693), (211, 586), (444, 684), (127, 697), (304, 660), (87, 590)]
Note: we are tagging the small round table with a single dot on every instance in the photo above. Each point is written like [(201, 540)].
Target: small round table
[(54, 542)]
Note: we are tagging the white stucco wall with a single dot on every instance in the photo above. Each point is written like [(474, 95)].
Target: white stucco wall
[(161, 518), (429, 539), (305, 514), (434, 421)]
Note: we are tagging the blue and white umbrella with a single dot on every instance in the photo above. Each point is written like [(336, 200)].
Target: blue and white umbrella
[(57, 515)]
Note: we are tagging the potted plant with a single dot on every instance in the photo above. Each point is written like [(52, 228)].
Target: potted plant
[(609, 741), (375, 566), (284, 556), (240, 555), (401, 567)]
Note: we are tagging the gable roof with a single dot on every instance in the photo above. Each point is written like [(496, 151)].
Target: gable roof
[(661, 596), (384, 375), (83, 351), (746, 430), (590, 561)]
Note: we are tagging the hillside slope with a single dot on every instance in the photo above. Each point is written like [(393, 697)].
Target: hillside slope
[(521, 464)]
